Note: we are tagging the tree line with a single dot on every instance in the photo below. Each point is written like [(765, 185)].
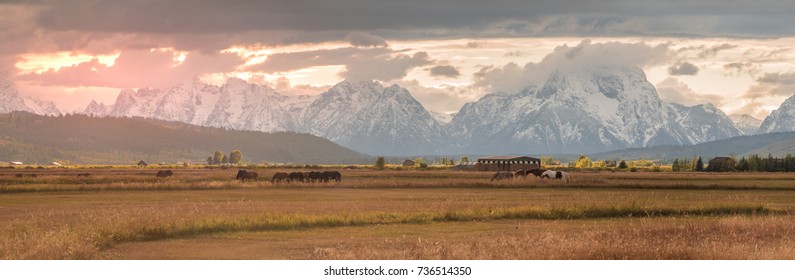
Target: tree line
[(768, 164)]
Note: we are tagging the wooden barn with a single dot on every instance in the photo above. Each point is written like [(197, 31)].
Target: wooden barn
[(408, 162), (721, 164), (508, 163)]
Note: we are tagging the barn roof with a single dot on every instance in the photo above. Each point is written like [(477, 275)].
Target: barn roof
[(509, 158)]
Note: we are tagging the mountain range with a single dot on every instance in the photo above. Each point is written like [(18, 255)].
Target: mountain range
[(583, 111)]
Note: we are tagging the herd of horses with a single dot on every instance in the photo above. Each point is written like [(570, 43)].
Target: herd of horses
[(303, 177), (327, 176), (539, 173)]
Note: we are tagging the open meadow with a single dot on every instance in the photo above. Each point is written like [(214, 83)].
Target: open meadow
[(128, 213)]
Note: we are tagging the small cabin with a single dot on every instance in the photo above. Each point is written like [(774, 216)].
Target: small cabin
[(508, 163), (142, 163), (466, 166), (611, 163), (721, 164), (408, 162)]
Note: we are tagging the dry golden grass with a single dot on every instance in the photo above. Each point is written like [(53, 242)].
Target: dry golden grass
[(637, 215)]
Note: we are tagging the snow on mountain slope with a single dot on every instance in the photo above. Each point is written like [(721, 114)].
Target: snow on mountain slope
[(97, 109), (747, 124), (369, 118), (442, 118), (246, 106), (41, 107), (781, 119), (10, 100), (583, 111)]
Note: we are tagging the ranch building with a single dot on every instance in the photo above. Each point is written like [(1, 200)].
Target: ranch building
[(721, 164), (508, 163), (408, 162)]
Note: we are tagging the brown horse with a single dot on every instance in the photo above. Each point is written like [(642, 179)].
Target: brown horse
[(83, 175), (537, 172), (502, 175), (331, 175), (279, 176), (244, 175), (521, 173), (164, 173)]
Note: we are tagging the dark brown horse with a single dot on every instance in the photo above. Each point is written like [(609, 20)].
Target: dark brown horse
[(83, 175), (331, 175), (244, 175), (502, 175), (279, 176), (164, 173), (295, 176), (521, 173), (537, 172)]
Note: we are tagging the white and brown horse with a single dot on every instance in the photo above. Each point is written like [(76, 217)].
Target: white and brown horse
[(552, 174)]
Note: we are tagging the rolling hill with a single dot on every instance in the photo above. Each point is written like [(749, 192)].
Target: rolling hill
[(778, 144), (108, 140)]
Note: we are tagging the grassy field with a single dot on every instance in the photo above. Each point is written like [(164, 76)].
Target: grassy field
[(127, 213)]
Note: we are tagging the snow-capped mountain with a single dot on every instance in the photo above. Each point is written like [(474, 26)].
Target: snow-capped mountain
[(10, 100), (244, 106), (97, 109), (781, 119), (584, 111), (41, 107), (234, 105), (704, 123), (369, 118), (747, 124), (580, 111)]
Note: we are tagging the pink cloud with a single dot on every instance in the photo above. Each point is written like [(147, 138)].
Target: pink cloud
[(133, 69)]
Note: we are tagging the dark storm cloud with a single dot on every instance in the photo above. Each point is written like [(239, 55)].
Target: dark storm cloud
[(444, 71), (545, 17), (683, 68)]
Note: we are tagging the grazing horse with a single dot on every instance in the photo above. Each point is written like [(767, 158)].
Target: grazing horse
[(244, 175), (313, 176), (279, 176), (502, 175), (164, 173), (295, 176), (552, 174), (537, 172), (521, 173), (331, 175), (83, 175)]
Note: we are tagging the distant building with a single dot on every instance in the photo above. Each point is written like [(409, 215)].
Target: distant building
[(55, 164), (142, 163), (721, 164), (508, 163), (408, 162), (466, 166), (16, 163), (610, 163)]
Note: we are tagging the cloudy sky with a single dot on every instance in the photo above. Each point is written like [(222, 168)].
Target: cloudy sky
[(737, 55)]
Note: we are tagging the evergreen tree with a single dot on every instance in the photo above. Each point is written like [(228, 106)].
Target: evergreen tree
[(380, 163), (699, 165), (622, 165), (676, 166), (210, 160)]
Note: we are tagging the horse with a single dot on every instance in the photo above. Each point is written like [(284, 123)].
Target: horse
[(331, 175), (313, 176), (83, 175), (521, 173), (502, 175), (279, 176), (552, 174), (244, 175), (164, 173), (537, 172), (295, 176)]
